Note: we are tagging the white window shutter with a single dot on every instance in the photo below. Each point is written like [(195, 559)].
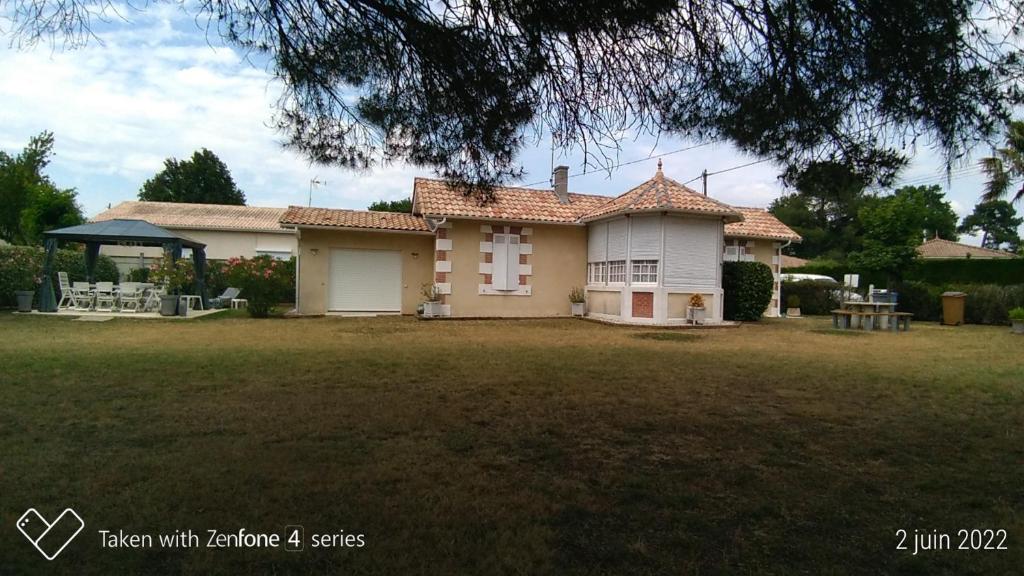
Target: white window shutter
[(597, 242), (616, 239), (499, 260), (645, 238), (512, 263)]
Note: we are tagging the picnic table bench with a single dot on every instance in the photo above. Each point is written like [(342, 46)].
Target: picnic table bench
[(844, 319)]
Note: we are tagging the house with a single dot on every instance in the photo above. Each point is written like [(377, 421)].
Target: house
[(939, 249), (227, 231), (639, 256)]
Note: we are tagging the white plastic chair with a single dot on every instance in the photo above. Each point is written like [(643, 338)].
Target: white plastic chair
[(105, 298), (82, 295), (129, 297), (67, 295), (153, 298)]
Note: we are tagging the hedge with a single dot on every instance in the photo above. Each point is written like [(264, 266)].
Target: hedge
[(1005, 272), (21, 266), (748, 289), (815, 297)]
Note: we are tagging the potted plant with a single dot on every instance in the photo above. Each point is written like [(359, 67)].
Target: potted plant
[(174, 275), (696, 309), (793, 306), (431, 301), (578, 299), (25, 296), (1017, 319)]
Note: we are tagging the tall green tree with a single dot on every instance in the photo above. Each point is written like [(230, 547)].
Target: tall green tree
[(202, 179), (1005, 169), (462, 86), (823, 209), (403, 205), (937, 217), (998, 223), (30, 203), (894, 226)]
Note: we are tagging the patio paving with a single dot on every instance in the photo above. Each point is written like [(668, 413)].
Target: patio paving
[(99, 316)]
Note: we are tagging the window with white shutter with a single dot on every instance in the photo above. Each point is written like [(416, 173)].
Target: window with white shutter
[(505, 262)]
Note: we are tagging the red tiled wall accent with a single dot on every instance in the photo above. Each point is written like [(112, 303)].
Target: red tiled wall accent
[(441, 256), (643, 304)]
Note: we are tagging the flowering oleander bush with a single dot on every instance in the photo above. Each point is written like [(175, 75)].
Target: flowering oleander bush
[(21, 268), (177, 275), (263, 281)]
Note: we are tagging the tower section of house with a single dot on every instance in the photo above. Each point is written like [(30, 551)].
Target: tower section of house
[(651, 249)]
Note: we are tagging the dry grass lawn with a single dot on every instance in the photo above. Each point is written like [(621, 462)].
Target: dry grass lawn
[(519, 447)]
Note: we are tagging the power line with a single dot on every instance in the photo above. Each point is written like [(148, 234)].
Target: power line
[(638, 160)]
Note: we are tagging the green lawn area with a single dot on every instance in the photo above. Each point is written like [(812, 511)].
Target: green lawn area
[(520, 447)]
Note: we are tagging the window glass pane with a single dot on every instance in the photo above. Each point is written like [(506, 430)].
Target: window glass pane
[(645, 271)]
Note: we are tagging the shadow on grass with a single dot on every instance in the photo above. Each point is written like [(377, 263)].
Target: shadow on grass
[(838, 332), (667, 336)]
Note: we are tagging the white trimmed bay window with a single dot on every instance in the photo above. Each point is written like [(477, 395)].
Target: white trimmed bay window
[(645, 272), (597, 273), (617, 272)]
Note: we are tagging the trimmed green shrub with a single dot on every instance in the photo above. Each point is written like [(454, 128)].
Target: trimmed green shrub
[(815, 297), (262, 280), (990, 304), (748, 290), (922, 300), (19, 263), (1005, 272)]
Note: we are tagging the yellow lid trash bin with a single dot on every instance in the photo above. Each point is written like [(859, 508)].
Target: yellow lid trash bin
[(953, 308)]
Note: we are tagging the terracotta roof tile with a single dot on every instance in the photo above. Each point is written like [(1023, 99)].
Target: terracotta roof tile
[(197, 216), (759, 223), (302, 216), (939, 248), (437, 198), (661, 193)]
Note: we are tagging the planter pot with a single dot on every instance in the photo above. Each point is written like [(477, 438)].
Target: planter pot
[(697, 315), (168, 305), (793, 312), (579, 308), (432, 309), (1018, 326), (24, 300)]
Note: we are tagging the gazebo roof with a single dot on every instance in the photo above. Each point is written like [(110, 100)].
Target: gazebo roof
[(116, 231)]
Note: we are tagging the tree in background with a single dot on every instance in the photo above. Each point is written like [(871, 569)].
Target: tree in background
[(1006, 167), (403, 205), (824, 208), (30, 203), (202, 179), (462, 86), (938, 220), (894, 227), (997, 221)]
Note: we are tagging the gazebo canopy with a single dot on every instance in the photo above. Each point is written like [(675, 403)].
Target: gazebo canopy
[(121, 231), (117, 232)]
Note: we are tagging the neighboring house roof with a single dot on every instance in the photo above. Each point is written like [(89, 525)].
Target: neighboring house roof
[(759, 223), (198, 216), (664, 194), (437, 198), (338, 218), (939, 248), (793, 262)]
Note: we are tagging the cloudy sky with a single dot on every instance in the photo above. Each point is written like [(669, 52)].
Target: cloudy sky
[(155, 86)]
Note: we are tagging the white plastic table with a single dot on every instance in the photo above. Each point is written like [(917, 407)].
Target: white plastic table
[(189, 299)]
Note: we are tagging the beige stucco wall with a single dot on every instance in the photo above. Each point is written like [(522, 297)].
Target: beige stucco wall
[(558, 262), (601, 302), (678, 303), (220, 244), (417, 263)]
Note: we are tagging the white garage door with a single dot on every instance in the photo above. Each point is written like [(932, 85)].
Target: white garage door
[(365, 281)]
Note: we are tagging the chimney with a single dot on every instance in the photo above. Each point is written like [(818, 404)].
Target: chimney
[(560, 179)]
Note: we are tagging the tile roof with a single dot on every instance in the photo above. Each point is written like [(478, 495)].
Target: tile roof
[(759, 223), (939, 248), (436, 198), (400, 221), (793, 261), (661, 193), (197, 216)]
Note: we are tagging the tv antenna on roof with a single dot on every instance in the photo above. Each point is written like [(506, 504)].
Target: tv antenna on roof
[(314, 181)]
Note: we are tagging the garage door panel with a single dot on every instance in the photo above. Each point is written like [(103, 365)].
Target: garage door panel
[(365, 281)]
